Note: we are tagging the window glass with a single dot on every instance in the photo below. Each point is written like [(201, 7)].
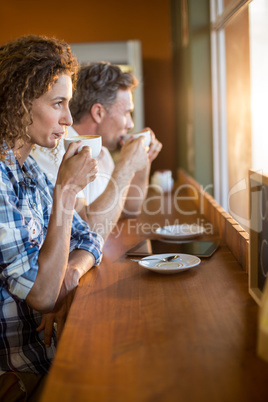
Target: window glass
[(238, 113)]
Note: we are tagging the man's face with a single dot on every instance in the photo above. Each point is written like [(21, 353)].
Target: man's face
[(117, 120)]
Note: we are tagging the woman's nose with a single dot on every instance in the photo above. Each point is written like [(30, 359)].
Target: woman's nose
[(67, 119)]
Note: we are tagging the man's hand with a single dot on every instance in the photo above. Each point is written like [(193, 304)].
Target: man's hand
[(129, 150), (134, 154), (155, 147)]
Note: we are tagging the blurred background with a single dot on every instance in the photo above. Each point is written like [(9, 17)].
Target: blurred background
[(202, 67)]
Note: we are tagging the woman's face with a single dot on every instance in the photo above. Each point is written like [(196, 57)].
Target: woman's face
[(51, 114)]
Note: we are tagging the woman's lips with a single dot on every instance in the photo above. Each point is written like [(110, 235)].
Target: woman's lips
[(59, 135)]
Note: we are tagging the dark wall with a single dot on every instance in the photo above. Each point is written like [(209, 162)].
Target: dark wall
[(106, 20)]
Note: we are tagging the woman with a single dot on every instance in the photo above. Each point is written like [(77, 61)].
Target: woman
[(45, 247)]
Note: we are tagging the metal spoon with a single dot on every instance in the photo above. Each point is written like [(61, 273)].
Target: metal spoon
[(167, 259)]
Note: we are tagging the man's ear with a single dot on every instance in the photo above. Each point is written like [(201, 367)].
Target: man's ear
[(97, 112)]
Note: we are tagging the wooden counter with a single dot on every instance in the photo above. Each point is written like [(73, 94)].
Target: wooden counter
[(135, 335)]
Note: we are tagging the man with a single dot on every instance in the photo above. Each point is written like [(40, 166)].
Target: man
[(102, 105)]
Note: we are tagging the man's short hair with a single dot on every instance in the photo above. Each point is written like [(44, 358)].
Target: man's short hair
[(99, 83)]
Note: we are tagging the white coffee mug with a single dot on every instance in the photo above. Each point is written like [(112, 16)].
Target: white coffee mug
[(92, 141), (146, 134)]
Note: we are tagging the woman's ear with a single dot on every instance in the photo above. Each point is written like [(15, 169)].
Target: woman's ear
[(97, 112)]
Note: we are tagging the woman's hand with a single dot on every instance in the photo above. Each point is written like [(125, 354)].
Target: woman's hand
[(80, 262), (77, 169), (58, 316)]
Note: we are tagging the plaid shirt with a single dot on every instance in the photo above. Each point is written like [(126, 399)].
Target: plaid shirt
[(25, 207)]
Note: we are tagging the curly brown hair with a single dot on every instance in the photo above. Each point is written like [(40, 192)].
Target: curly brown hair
[(98, 83), (29, 66)]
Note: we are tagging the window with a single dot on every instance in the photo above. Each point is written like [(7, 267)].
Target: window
[(258, 32), (231, 89)]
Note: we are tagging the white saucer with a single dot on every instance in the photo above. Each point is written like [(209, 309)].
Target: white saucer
[(184, 231), (182, 263)]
